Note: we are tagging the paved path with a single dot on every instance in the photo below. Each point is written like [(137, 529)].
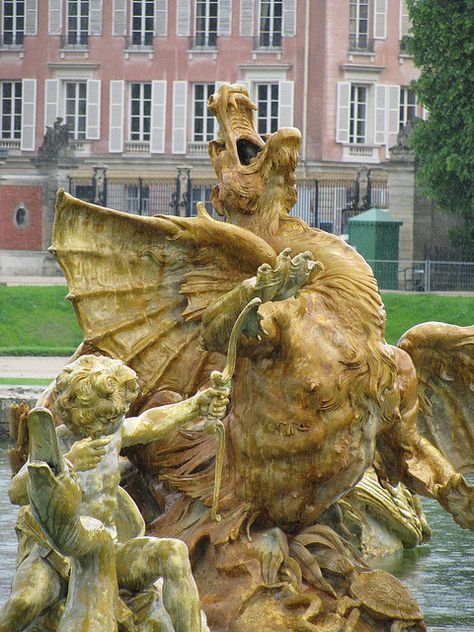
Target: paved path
[(32, 280), (31, 366)]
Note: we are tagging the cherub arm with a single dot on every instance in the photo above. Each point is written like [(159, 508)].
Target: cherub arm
[(157, 423), (410, 458)]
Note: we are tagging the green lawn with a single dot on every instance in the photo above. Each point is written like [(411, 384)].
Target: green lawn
[(406, 310), (39, 321)]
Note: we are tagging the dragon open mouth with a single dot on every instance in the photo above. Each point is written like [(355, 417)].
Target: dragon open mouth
[(247, 150)]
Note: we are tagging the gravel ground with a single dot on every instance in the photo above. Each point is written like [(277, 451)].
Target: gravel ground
[(31, 366)]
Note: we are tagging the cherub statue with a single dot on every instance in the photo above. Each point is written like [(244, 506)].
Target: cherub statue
[(93, 395)]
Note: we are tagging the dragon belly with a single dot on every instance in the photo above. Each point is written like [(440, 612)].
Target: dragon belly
[(289, 475)]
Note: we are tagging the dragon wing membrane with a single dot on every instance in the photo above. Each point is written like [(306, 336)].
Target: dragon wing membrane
[(140, 284), (444, 359)]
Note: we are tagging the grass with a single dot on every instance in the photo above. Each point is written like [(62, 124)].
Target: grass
[(406, 310), (25, 381), (39, 321)]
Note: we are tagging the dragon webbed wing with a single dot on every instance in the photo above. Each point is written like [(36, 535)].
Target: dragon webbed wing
[(444, 359), (140, 284)]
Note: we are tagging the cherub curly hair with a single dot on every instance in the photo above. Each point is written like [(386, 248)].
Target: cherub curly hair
[(94, 388)]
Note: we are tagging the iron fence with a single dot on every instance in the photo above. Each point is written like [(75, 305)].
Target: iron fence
[(424, 275), (322, 203)]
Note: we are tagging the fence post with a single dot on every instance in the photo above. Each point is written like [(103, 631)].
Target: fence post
[(316, 203), (428, 275), (104, 191), (140, 196)]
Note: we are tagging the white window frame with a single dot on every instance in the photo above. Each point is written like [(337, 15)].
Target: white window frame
[(354, 114), (15, 111), (143, 135), (271, 121), (273, 33), (356, 35), (17, 32), (81, 34), (78, 129), (144, 33), (206, 38), (406, 106), (208, 121)]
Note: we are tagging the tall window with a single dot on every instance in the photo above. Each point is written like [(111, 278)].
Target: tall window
[(407, 106), (359, 24), (77, 22), (271, 12), (10, 109), (203, 119), (140, 111), (75, 108), (206, 22), (267, 107), (143, 22), (358, 115), (13, 22)]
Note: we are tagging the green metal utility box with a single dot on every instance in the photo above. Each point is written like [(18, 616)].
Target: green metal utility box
[(375, 235)]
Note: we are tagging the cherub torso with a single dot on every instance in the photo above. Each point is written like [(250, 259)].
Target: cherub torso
[(100, 484)]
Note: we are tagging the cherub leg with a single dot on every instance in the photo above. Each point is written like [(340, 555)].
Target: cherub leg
[(142, 561), (36, 587)]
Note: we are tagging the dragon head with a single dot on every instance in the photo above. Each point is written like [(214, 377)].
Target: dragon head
[(254, 172)]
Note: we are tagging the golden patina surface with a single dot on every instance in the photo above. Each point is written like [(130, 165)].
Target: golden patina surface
[(86, 534), (317, 398)]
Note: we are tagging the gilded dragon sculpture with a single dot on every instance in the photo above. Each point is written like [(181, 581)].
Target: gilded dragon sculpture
[(318, 396)]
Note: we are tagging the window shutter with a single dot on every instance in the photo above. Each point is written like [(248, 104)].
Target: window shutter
[(51, 99), (343, 109), (380, 19), (93, 109), (31, 17), (28, 114), (380, 114), (285, 105), (246, 18), (393, 114), (289, 18), (183, 17), (116, 111), (158, 117), (224, 28), (161, 18), (95, 17), (54, 17), (180, 95), (404, 19), (119, 18)]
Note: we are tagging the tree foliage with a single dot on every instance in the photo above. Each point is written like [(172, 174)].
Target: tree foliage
[(442, 45)]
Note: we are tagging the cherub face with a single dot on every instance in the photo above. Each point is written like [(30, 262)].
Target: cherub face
[(96, 428)]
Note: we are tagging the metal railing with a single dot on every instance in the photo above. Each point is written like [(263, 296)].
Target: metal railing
[(203, 41), (74, 41), (424, 275), (361, 43), (267, 41)]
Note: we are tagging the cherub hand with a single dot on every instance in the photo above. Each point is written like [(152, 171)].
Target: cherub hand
[(287, 278), (273, 546), (457, 497), (86, 453), (213, 402)]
